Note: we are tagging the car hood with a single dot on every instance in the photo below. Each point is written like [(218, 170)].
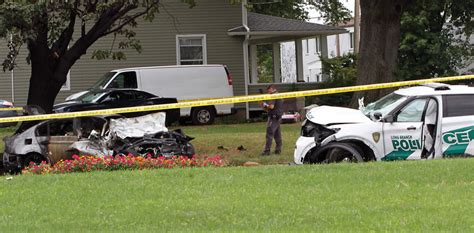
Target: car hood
[(68, 104), (75, 96), (327, 115)]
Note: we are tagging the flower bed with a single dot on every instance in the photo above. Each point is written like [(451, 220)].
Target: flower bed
[(111, 163)]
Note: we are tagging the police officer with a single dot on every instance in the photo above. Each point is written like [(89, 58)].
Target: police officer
[(273, 108)]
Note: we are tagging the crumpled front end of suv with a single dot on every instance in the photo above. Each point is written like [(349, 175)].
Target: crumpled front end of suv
[(325, 125), (311, 136)]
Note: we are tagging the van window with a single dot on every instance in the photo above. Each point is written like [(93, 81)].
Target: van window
[(458, 105), (412, 112), (124, 80), (103, 81)]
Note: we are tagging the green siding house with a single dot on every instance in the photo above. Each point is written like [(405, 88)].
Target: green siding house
[(212, 32)]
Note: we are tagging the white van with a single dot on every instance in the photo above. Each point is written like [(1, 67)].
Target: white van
[(181, 82)]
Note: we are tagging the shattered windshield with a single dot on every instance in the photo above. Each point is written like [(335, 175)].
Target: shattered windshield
[(103, 81), (384, 105)]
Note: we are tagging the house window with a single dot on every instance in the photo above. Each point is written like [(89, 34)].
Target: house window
[(67, 85), (317, 43), (351, 39), (191, 50)]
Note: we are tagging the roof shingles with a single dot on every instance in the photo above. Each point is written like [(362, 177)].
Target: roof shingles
[(267, 23)]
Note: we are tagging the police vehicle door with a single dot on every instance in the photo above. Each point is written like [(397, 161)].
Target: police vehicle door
[(403, 136)]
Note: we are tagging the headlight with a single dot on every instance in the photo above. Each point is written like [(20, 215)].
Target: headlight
[(319, 132), (308, 129)]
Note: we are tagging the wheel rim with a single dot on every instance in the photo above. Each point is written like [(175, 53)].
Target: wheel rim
[(339, 155), (203, 116)]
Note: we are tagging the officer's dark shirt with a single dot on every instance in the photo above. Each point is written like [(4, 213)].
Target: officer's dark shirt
[(276, 112)]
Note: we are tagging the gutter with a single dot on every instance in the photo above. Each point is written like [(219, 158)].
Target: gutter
[(245, 47), (287, 33)]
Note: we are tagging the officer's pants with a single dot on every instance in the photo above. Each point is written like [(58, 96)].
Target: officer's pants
[(273, 131)]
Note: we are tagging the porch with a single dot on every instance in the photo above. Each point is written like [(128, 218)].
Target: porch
[(272, 33)]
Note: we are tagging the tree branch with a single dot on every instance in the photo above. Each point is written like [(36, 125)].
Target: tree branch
[(127, 21), (60, 46)]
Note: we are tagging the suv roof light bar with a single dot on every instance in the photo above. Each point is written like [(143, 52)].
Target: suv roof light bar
[(437, 86)]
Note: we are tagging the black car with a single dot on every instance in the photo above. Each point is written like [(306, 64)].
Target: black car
[(4, 112), (118, 98)]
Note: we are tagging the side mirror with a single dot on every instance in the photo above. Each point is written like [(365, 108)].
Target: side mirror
[(389, 118), (377, 116)]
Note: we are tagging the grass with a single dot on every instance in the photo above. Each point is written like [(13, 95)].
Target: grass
[(251, 136), (392, 196), (5, 132)]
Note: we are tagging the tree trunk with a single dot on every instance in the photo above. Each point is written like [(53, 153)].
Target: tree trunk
[(45, 83), (380, 39)]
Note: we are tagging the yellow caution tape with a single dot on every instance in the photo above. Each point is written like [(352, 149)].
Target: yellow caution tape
[(232, 100), (11, 109)]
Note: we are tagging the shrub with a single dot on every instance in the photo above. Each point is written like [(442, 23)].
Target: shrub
[(342, 72)]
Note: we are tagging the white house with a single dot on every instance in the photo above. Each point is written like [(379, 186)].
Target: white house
[(336, 45)]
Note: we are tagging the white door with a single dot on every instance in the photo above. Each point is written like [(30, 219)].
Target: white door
[(403, 136)]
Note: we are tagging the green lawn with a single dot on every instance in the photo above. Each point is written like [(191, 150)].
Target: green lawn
[(251, 136), (5, 132), (404, 196)]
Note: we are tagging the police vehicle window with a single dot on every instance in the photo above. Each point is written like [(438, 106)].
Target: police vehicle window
[(125, 80), (384, 105), (412, 112), (458, 105)]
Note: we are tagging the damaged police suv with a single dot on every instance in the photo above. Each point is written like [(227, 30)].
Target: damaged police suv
[(422, 122)]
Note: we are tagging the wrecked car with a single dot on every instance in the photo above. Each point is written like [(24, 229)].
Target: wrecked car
[(59, 139), (423, 122)]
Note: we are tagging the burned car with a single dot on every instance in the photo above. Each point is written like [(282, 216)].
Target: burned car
[(59, 139)]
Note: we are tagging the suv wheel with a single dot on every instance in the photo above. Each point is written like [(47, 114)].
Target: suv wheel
[(337, 152)]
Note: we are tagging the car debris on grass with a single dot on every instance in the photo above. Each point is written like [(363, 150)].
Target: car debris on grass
[(60, 139)]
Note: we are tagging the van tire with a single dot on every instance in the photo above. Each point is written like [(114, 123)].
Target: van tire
[(203, 115)]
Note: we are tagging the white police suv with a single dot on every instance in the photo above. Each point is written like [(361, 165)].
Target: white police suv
[(423, 122)]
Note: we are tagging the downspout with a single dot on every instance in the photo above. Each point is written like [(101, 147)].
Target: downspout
[(246, 56), (12, 76)]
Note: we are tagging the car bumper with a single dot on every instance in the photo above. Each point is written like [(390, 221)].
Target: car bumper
[(303, 146), (10, 161)]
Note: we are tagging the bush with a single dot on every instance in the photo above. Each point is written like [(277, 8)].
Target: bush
[(342, 72)]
